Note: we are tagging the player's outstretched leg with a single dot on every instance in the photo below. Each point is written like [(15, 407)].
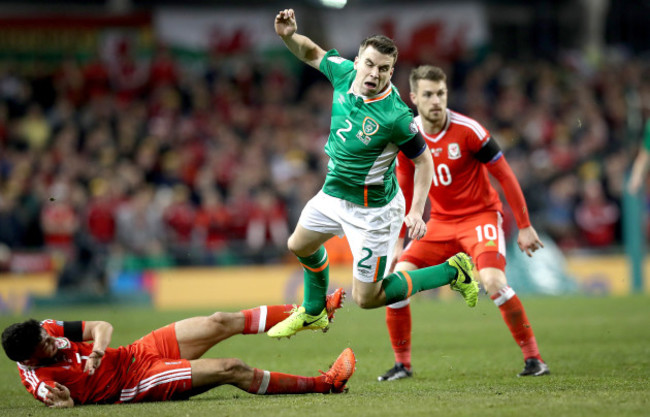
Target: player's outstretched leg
[(333, 381), (464, 282), (299, 320), (341, 371), (261, 319)]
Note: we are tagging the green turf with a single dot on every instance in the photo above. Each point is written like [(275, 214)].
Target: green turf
[(465, 363)]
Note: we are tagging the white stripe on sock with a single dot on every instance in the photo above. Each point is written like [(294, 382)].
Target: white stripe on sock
[(400, 304), (262, 323), (265, 383), (504, 294)]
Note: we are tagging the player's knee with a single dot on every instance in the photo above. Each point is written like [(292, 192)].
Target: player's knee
[(492, 279), (364, 300), (218, 320), (234, 366), (294, 245), (291, 244)]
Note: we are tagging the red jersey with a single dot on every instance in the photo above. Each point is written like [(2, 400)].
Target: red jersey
[(460, 185), (68, 369)]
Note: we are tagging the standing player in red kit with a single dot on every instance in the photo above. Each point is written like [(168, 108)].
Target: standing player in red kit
[(466, 215), (59, 367)]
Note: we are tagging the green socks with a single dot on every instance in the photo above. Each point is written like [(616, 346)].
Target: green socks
[(401, 285), (316, 280)]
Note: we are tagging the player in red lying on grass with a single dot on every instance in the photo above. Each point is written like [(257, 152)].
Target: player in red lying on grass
[(61, 369), (466, 215)]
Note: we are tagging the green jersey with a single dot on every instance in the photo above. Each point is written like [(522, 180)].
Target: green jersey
[(646, 136), (364, 139)]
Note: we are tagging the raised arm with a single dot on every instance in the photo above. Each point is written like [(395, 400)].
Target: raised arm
[(301, 46), (100, 333)]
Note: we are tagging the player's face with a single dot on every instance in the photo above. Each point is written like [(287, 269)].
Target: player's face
[(46, 349), (374, 70), (430, 98)]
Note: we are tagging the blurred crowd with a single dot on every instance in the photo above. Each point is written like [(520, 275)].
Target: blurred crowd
[(140, 163)]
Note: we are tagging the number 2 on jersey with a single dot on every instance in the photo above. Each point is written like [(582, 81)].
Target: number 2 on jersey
[(342, 130)]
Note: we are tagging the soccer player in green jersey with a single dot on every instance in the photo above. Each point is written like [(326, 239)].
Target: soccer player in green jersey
[(361, 198)]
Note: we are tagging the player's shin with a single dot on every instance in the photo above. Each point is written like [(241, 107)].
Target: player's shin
[(398, 322), (270, 383), (261, 319), (401, 285), (514, 315), (316, 280)]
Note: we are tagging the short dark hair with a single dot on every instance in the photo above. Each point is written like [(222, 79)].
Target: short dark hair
[(20, 340), (426, 72), (383, 44)]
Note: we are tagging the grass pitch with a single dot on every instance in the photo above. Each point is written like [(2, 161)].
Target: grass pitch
[(465, 363)]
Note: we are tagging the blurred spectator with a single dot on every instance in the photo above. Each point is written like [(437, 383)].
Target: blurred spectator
[(127, 74), (162, 71), (559, 221), (267, 231), (10, 225), (596, 216), (101, 213), (59, 220), (179, 219), (212, 226), (33, 129), (95, 78), (140, 229)]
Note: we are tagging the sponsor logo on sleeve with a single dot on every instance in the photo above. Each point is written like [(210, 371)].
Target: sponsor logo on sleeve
[(336, 59)]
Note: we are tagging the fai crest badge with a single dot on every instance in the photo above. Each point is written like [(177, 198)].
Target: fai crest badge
[(369, 126), (453, 151)]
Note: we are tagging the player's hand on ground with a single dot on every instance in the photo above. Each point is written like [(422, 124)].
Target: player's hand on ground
[(528, 241), (58, 396), (417, 227), (285, 23), (93, 361)]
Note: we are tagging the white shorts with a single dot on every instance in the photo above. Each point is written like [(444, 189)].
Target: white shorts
[(371, 231)]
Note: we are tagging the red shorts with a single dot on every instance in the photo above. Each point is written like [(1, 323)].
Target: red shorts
[(157, 373), (479, 235)]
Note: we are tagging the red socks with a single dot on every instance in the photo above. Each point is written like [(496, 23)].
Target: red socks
[(265, 382), (398, 321), (515, 317), (260, 319)]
